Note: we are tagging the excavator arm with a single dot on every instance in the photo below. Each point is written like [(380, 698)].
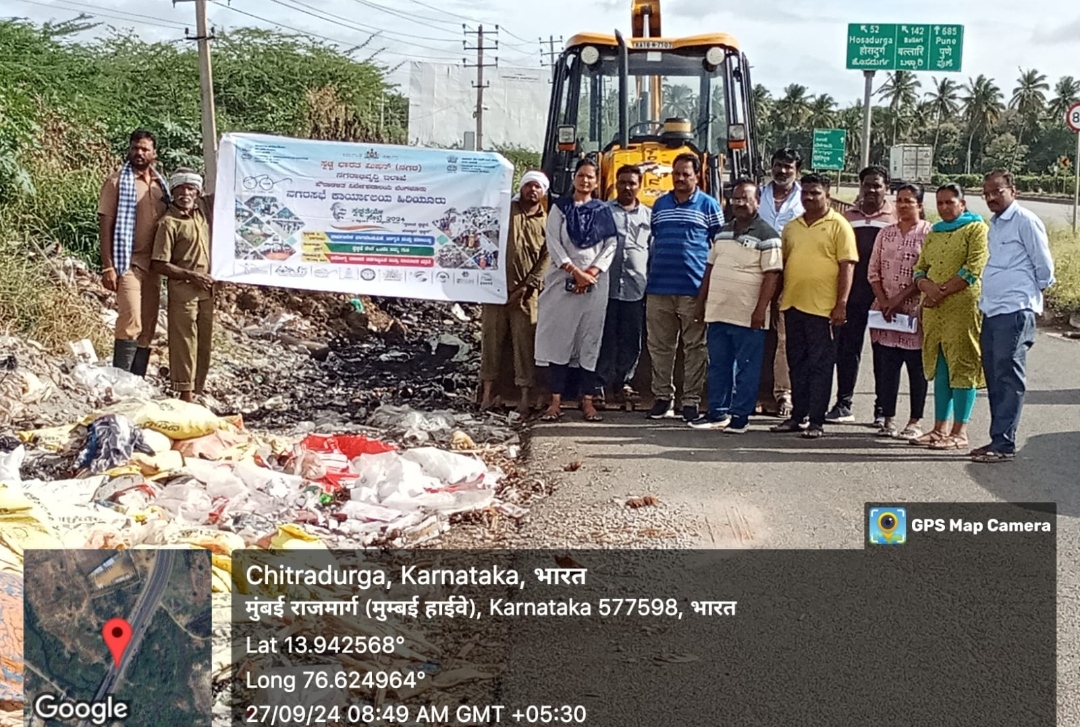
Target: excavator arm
[(642, 12)]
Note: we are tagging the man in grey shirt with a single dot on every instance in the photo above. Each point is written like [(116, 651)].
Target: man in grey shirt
[(624, 325)]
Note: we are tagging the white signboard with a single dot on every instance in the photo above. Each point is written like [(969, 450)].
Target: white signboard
[(369, 219)]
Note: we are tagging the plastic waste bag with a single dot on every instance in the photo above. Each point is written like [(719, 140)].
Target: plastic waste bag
[(107, 381), (11, 464)]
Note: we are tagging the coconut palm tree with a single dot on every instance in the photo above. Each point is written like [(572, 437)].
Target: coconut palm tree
[(983, 106), (821, 113), (679, 100), (763, 103), (900, 91), (944, 100), (792, 109), (1029, 100), (1066, 93)]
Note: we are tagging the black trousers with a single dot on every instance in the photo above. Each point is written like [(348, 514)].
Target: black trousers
[(888, 360), (850, 338), (811, 355), (620, 350)]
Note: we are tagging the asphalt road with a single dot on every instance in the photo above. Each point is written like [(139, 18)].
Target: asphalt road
[(140, 620), (763, 490), (1053, 214)]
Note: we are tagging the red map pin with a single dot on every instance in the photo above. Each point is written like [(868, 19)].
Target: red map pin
[(117, 635)]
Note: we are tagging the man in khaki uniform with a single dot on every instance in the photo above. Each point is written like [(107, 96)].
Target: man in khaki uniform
[(182, 254), (512, 326), (131, 202)]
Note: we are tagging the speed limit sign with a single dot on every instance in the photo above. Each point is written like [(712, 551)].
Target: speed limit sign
[(1072, 117)]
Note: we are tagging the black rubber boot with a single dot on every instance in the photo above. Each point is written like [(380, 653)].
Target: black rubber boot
[(142, 359), (124, 353)]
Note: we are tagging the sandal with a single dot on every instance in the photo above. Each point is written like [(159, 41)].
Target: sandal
[(784, 409), (813, 433), (910, 433), (949, 442), (549, 417), (594, 417), (992, 457), (927, 439)]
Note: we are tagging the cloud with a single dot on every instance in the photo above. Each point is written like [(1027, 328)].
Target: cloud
[(1068, 33)]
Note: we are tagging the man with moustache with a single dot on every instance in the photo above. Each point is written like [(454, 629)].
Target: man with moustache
[(511, 327), (780, 203), (685, 221), (182, 254), (873, 213), (1019, 270), (624, 325), (819, 261), (131, 202)]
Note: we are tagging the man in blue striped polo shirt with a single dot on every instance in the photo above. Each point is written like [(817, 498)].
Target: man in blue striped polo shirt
[(684, 223)]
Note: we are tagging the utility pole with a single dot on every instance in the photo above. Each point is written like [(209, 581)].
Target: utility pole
[(868, 115), (206, 85), (549, 55), (479, 85)]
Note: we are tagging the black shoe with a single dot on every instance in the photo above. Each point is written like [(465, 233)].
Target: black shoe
[(790, 426), (661, 410), (839, 413), (140, 362), (124, 353), (690, 413)]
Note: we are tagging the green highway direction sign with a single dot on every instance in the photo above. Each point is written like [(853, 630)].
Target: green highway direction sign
[(905, 47), (828, 150)]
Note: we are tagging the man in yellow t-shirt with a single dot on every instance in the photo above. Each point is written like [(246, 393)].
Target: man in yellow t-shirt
[(819, 264)]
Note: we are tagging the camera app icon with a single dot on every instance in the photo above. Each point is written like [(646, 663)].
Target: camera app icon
[(888, 525)]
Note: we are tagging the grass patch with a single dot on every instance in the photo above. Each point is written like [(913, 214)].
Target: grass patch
[(38, 302), (1064, 295)]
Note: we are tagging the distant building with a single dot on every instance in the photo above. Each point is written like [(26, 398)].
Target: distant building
[(442, 102)]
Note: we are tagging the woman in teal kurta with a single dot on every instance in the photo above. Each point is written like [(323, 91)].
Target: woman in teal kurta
[(947, 274)]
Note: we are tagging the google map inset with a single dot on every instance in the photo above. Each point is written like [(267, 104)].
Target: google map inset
[(118, 638)]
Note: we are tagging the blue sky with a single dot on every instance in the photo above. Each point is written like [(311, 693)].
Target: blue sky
[(787, 42)]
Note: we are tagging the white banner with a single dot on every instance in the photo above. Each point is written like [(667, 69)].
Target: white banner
[(371, 219)]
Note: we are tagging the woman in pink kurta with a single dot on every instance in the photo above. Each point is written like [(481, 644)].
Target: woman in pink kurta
[(892, 267)]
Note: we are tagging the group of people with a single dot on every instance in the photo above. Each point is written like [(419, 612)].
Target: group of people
[(767, 307), (152, 227)]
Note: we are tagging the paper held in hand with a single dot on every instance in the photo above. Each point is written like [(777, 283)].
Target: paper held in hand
[(900, 322)]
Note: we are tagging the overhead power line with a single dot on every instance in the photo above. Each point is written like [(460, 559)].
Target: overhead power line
[(347, 44), (95, 11)]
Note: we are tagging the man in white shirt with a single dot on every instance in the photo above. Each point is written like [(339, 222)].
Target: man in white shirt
[(781, 202)]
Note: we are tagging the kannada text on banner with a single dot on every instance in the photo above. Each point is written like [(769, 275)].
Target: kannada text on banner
[(371, 219)]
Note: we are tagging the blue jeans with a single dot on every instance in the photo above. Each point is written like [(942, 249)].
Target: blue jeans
[(1005, 341), (735, 356)]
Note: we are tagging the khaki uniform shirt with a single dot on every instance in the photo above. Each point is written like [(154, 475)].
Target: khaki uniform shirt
[(149, 207), (526, 251), (184, 241)]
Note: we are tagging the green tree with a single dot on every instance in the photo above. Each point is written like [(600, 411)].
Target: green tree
[(792, 110), (901, 92), (821, 112), (983, 106), (1029, 102), (1066, 93), (944, 100)]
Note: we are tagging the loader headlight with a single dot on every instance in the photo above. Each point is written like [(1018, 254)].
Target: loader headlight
[(590, 55), (714, 56)]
